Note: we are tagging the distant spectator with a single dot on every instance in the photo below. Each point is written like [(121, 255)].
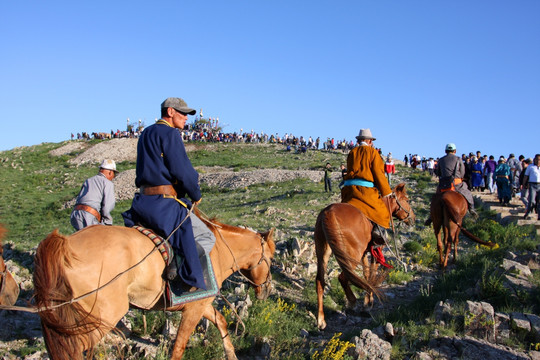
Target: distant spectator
[(503, 176), (328, 178), (430, 165), (389, 169), (514, 165), (406, 160), (489, 170), (476, 174), (343, 170), (523, 185), (532, 180)]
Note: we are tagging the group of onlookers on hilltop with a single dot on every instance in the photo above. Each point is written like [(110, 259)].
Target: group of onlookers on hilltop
[(505, 177), (131, 133)]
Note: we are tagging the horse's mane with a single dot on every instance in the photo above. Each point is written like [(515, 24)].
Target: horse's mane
[(67, 327), (215, 223)]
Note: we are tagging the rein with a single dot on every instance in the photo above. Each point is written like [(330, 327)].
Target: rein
[(400, 208), (263, 257)]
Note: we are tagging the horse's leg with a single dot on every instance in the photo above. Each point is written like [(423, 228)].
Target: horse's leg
[(456, 242), (367, 268), (447, 243), (212, 314), (323, 252), (373, 271), (351, 299), (190, 318), (440, 246)]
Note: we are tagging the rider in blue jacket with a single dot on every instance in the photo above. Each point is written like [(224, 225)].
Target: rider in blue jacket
[(165, 177)]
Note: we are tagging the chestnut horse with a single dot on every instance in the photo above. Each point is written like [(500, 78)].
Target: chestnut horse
[(447, 212), (9, 290), (97, 257), (346, 231)]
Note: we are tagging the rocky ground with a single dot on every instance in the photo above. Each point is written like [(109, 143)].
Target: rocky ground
[(481, 342)]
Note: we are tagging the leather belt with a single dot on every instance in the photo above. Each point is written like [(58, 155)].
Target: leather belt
[(90, 210), (158, 190)]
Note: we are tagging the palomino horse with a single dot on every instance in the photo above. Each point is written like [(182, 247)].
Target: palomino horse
[(447, 212), (9, 290), (68, 267), (346, 231)]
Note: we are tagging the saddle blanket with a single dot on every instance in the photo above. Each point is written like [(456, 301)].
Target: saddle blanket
[(176, 295)]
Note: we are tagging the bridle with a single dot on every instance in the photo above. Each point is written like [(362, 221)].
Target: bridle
[(263, 258), (401, 208)]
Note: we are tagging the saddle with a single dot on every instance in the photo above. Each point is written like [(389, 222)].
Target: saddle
[(175, 291), (448, 184)]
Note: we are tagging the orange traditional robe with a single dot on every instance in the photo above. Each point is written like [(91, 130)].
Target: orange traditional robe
[(364, 162)]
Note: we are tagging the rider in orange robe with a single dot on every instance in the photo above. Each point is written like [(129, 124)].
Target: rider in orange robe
[(366, 167)]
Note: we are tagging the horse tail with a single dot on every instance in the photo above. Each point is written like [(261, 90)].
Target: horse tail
[(66, 328), (476, 238), (335, 239)]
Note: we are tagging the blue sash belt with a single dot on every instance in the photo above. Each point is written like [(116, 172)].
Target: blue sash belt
[(358, 182)]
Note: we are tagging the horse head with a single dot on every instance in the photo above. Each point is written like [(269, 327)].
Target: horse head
[(258, 272), (401, 208), (9, 290)]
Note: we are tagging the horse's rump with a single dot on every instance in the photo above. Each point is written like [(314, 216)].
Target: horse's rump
[(61, 324), (348, 233)]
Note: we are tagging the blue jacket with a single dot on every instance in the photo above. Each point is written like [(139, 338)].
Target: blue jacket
[(162, 160)]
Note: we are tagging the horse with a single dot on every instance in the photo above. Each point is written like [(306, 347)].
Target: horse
[(346, 231), (448, 209), (9, 290), (91, 266)]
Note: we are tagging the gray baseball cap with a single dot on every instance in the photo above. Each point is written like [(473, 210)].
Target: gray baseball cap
[(179, 105)]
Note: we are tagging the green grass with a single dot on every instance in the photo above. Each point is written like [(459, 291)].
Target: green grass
[(34, 186)]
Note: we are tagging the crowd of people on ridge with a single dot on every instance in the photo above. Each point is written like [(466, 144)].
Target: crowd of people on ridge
[(506, 177)]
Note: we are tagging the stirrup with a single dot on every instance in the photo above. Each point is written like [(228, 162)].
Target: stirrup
[(171, 271)]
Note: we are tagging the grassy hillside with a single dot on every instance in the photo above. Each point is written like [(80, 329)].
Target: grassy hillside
[(34, 186)]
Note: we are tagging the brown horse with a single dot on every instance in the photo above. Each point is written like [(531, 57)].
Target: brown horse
[(346, 231), (66, 267), (9, 290), (447, 212)]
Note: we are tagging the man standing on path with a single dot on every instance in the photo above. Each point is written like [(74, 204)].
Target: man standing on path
[(165, 176), (523, 185), (328, 177), (532, 181), (96, 199)]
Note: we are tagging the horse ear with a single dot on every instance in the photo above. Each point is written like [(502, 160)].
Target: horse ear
[(269, 237), (400, 188)]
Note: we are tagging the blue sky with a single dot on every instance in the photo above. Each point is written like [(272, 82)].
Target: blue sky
[(419, 74)]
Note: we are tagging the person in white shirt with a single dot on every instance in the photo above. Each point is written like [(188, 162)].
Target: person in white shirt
[(532, 183)]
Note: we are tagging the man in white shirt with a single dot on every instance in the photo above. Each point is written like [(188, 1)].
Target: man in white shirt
[(532, 182)]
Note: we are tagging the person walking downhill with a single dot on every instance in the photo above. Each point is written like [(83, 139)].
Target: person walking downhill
[(489, 170), (503, 176), (532, 179), (389, 169), (524, 189), (96, 198)]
